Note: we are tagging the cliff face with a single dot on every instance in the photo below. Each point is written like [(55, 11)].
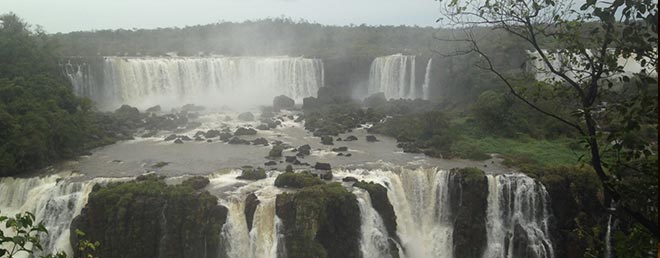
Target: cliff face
[(147, 218), (382, 205), (320, 221), (468, 191)]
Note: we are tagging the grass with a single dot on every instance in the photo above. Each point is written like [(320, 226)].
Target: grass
[(546, 153)]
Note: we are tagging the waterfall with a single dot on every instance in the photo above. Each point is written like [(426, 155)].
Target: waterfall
[(393, 75), (54, 200), (517, 218), (608, 238), (427, 80), (211, 81), (374, 240)]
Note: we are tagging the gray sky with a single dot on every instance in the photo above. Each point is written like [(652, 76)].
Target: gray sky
[(73, 15)]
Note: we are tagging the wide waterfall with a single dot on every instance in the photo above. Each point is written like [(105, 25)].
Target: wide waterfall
[(517, 218), (393, 75), (210, 81), (427, 80)]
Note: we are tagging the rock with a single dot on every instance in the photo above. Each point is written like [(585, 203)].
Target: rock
[(178, 141), (247, 116), (381, 203), (468, 194), (288, 169), (128, 113), (348, 155), (349, 179), (260, 141), (340, 154), (192, 107), (322, 166), (338, 139), (297, 180), (185, 138), (270, 163), (251, 202), (375, 100), (209, 140), (292, 160), (212, 133), (283, 102), (304, 150), (350, 138), (196, 182), (249, 173), (225, 136), (199, 139), (238, 140), (327, 176), (371, 138), (263, 127), (338, 149), (276, 151), (154, 109), (172, 137), (326, 140), (245, 131)]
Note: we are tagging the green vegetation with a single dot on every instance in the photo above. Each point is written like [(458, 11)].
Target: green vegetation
[(297, 180), (250, 173)]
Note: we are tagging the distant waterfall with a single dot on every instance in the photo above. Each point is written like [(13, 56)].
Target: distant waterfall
[(393, 75), (517, 218), (608, 238), (427, 80), (212, 81)]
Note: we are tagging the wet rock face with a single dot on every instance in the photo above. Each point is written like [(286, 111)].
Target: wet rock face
[(147, 218), (320, 221), (251, 203), (382, 205), (468, 190)]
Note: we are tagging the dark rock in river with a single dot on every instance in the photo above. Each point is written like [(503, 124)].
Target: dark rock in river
[(350, 138), (304, 150), (238, 140), (245, 131), (283, 102), (212, 133), (276, 151), (260, 141), (178, 141), (185, 138), (292, 159), (339, 149), (326, 140), (349, 179), (171, 137), (322, 166), (225, 136), (271, 163), (250, 173), (251, 203), (247, 116), (371, 138)]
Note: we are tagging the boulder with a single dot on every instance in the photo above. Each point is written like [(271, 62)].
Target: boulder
[(247, 116), (375, 100), (154, 109), (225, 136), (212, 133), (322, 166), (178, 141), (339, 149), (292, 159), (348, 155), (326, 140), (245, 131), (304, 149), (250, 173), (271, 163), (327, 176), (238, 140), (349, 179), (297, 180), (283, 102), (371, 138), (350, 138), (185, 138), (251, 203), (260, 141), (276, 151)]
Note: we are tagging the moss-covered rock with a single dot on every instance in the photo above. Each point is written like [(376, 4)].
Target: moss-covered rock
[(250, 173), (276, 151), (196, 182), (468, 190), (148, 218), (320, 221), (297, 180)]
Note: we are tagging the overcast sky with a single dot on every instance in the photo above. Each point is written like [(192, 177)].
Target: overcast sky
[(74, 15)]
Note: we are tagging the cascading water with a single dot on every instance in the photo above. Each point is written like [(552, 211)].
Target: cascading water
[(427, 80), (54, 200), (374, 240), (608, 238), (394, 76), (517, 218), (211, 81)]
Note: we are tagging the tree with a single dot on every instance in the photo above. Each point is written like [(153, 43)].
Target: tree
[(614, 112)]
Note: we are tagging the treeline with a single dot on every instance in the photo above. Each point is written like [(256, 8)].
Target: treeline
[(41, 120)]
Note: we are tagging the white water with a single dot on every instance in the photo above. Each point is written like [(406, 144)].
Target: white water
[(374, 240), (393, 75), (209, 81), (608, 238), (53, 200), (517, 200), (427, 80)]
